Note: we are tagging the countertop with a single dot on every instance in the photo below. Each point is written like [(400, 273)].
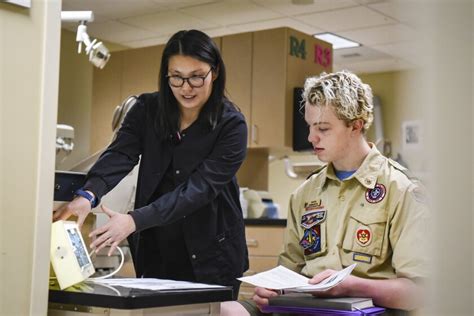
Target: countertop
[(265, 222), (117, 297)]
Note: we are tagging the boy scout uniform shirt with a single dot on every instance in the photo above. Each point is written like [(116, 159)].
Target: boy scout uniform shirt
[(377, 218)]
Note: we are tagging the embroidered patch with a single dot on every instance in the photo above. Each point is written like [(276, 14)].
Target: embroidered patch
[(420, 195), (309, 219), (376, 194), (363, 236), (311, 241), (313, 205), (362, 257)]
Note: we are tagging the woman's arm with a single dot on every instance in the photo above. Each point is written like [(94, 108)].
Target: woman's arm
[(121, 155), (205, 182)]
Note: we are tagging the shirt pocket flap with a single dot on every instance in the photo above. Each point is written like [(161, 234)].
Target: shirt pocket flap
[(366, 217)]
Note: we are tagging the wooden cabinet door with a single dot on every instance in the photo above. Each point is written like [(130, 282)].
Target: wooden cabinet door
[(268, 88), (140, 70), (237, 55)]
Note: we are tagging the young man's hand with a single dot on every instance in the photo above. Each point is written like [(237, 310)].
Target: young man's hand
[(262, 295), (398, 293), (342, 289)]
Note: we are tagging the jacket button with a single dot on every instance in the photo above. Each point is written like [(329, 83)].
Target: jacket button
[(193, 256), (177, 171)]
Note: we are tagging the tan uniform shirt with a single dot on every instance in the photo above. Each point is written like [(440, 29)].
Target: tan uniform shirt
[(377, 218)]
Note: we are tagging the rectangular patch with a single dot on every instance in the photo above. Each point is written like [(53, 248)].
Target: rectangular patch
[(309, 219), (362, 257)]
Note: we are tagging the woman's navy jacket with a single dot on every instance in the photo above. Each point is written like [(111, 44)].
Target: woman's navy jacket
[(207, 196)]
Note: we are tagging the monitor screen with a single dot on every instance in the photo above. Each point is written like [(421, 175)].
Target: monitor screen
[(300, 128)]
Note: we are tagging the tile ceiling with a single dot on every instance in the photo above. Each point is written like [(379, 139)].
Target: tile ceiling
[(387, 29)]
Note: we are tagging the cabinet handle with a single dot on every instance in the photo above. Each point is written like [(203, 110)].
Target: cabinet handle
[(254, 134), (252, 243)]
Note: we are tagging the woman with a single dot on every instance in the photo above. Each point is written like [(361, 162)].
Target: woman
[(190, 140)]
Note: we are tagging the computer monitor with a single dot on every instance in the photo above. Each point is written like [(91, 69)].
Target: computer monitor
[(300, 128)]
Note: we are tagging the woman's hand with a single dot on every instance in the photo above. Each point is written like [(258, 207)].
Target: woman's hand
[(113, 232), (262, 295), (80, 207)]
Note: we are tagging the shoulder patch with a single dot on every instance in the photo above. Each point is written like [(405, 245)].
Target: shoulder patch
[(316, 171), (420, 195)]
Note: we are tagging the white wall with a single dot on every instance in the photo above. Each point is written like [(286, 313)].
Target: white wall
[(75, 99), (447, 89), (29, 68)]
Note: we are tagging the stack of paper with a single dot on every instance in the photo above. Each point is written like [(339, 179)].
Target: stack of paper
[(156, 284), (281, 278)]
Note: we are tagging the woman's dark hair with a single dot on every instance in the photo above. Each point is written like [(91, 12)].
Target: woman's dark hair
[(198, 45)]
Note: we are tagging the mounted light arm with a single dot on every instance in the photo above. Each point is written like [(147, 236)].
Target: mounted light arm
[(98, 53)]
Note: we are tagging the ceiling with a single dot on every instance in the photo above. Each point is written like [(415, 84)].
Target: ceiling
[(385, 28)]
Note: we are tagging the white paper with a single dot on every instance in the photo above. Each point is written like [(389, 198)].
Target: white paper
[(155, 284), (281, 278)]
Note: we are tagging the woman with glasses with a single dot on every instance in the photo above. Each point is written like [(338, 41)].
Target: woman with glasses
[(190, 140)]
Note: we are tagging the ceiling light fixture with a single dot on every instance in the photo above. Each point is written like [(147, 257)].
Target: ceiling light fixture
[(337, 41), (98, 53)]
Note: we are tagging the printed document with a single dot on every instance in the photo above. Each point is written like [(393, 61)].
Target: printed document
[(156, 284), (281, 278)]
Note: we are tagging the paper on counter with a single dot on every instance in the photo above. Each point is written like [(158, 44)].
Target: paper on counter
[(156, 284), (281, 278)]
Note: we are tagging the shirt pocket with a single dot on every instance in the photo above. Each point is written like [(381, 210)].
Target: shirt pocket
[(363, 224)]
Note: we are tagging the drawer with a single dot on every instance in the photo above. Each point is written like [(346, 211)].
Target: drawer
[(264, 241), (261, 263)]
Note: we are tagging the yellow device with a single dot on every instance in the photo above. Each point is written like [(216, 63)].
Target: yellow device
[(69, 257)]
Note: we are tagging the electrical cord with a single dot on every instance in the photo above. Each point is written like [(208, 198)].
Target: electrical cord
[(106, 286), (122, 259)]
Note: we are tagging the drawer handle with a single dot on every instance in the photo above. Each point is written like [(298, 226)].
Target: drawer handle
[(252, 243)]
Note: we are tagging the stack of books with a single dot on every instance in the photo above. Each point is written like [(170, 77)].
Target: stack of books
[(306, 304)]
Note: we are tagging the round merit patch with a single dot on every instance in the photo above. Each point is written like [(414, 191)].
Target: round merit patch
[(376, 194), (363, 236)]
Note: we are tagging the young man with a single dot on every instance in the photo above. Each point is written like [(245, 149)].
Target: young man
[(360, 208)]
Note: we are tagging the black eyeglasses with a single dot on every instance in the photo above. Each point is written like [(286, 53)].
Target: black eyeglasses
[(194, 81)]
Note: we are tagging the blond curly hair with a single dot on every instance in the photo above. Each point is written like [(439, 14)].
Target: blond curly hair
[(345, 92)]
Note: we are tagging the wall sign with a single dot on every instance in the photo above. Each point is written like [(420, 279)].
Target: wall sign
[(412, 135), (321, 55), (297, 47)]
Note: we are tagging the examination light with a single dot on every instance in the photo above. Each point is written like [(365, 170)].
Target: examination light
[(98, 53)]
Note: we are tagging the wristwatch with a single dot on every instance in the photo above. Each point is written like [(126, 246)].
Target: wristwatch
[(87, 195)]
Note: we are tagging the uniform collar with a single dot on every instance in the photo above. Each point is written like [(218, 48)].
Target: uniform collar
[(368, 171)]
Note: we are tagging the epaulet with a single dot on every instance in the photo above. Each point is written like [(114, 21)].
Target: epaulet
[(316, 171), (419, 191), (402, 169)]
